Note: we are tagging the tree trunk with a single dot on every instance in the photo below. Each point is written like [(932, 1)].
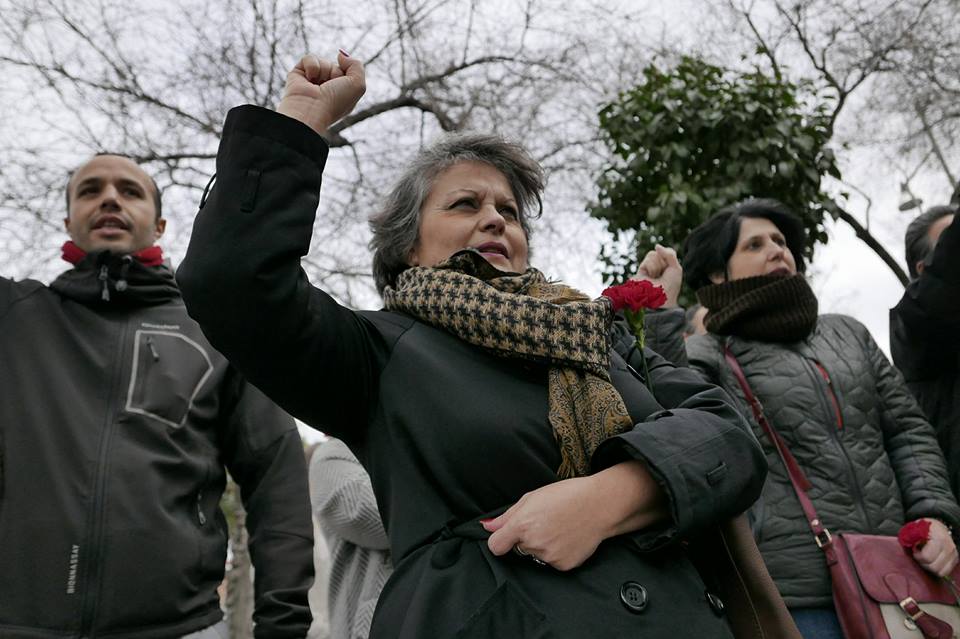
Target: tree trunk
[(239, 575)]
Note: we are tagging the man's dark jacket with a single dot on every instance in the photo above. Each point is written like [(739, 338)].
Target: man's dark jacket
[(925, 344), (116, 420)]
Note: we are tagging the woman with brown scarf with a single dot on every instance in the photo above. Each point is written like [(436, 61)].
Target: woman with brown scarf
[(823, 383), (530, 482)]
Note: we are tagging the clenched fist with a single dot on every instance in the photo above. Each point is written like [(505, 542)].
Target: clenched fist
[(319, 92), (661, 267)]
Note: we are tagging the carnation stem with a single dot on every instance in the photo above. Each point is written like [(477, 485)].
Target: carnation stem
[(635, 319)]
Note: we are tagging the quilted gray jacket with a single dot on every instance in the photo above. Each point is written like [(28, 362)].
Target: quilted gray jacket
[(856, 431)]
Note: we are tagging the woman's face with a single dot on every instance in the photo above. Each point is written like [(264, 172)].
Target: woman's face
[(471, 205), (761, 250)]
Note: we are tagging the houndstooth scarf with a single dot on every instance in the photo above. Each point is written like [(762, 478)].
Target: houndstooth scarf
[(524, 316)]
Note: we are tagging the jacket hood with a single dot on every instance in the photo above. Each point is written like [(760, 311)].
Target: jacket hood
[(104, 278)]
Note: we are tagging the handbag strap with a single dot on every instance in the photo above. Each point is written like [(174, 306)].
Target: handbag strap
[(797, 477)]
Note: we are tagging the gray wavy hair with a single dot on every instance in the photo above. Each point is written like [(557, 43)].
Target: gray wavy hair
[(396, 226)]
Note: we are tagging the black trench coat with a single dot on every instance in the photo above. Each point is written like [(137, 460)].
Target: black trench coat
[(450, 433), (925, 344)]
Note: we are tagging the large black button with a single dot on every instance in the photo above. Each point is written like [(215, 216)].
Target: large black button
[(716, 603), (633, 596)]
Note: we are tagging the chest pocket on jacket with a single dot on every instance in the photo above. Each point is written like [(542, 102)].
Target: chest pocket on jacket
[(168, 371)]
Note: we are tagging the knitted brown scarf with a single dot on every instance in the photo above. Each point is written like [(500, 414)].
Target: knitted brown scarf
[(767, 308), (524, 316)]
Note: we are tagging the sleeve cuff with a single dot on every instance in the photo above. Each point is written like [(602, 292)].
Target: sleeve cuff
[(264, 123), (707, 473)]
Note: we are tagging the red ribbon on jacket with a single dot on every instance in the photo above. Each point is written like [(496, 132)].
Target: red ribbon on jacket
[(150, 256)]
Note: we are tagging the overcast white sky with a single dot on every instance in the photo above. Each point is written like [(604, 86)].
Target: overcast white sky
[(848, 277)]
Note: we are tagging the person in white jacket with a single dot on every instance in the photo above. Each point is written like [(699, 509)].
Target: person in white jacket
[(346, 509)]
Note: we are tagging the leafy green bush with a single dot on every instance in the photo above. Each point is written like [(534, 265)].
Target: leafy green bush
[(692, 139)]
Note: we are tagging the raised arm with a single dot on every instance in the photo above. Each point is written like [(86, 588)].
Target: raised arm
[(242, 280), (664, 326)]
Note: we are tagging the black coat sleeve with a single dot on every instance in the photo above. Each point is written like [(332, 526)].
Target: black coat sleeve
[(664, 334), (264, 454), (242, 281), (6, 295), (699, 448), (925, 324)]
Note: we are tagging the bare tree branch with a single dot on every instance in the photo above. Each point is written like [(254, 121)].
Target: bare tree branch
[(874, 245), (126, 92), (767, 51), (935, 146), (100, 75)]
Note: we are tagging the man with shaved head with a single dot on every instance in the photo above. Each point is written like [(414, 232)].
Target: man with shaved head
[(118, 422)]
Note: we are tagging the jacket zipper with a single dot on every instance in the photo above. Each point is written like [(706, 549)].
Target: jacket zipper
[(91, 549), (153, 349), (834, 432), (103, 276), (201, 517), (832, 394)]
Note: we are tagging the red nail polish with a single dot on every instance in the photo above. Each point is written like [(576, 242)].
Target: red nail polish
[(344, 53), (484, 522)]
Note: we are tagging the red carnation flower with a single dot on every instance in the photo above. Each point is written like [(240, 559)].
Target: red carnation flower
[(914, 534), (635, 295)]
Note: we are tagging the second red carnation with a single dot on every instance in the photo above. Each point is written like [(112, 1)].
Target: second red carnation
[(914, 534)]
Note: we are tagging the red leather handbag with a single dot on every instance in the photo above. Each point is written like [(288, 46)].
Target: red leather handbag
[(879, 591)]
